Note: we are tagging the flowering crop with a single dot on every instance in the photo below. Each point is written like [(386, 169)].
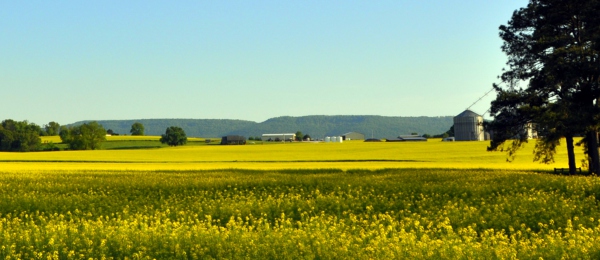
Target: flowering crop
[(347, 155), (295, 214)]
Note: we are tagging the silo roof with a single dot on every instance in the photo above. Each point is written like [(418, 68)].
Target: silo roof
[(468, 113)]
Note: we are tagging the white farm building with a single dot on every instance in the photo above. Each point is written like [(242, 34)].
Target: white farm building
[(353, 136), (278, 137)]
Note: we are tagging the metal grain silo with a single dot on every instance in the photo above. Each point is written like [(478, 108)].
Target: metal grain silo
[(468, 126), (327, 139)]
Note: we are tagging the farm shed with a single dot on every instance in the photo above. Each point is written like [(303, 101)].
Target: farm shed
[(413, 138), (278, 137), (233, 139), (468, 126), (353, 136), (407, 138), (395, 139)]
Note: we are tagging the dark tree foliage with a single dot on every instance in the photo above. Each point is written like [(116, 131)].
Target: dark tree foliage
[(51, 129), (88, 136), (137, 129), (64, 133), (450, 132), (174, 136), (553, 48), (299, 136), (19, 136), (306, 137)]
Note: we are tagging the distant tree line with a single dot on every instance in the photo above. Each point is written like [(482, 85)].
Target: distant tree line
[(87, 136), (19, 136), (50, 129), (449, 133), (302, 137), (22, 136), (136, 129)]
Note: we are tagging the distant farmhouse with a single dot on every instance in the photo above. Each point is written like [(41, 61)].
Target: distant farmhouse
[(353, 136), (233, 139), (278, 137), (407, 138)]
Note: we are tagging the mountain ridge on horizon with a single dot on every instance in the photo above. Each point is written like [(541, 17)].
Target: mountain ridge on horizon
[(317, 126)]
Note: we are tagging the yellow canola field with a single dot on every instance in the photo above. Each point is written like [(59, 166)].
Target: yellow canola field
[(56, 139), (308, 155)]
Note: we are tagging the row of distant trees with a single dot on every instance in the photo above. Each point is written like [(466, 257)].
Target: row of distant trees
[(300, 136), (136, 129), (22, 136), (449, 133)]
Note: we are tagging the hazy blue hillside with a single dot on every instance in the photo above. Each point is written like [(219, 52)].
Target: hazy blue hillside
[(192, 127), (315, 126), (379, 126)]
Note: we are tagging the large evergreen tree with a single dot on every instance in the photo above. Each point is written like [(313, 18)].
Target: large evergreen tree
[(553, 51)]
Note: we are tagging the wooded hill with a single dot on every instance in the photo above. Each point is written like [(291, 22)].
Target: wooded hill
[(315, 126)]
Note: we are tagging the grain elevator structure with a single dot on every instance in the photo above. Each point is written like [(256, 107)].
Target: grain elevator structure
[(468, 126)]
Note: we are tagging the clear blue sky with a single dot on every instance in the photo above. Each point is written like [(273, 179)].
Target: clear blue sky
[(67, 61)]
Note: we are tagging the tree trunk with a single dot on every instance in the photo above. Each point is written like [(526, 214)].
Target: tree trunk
[(592, 150), (571, 154)]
